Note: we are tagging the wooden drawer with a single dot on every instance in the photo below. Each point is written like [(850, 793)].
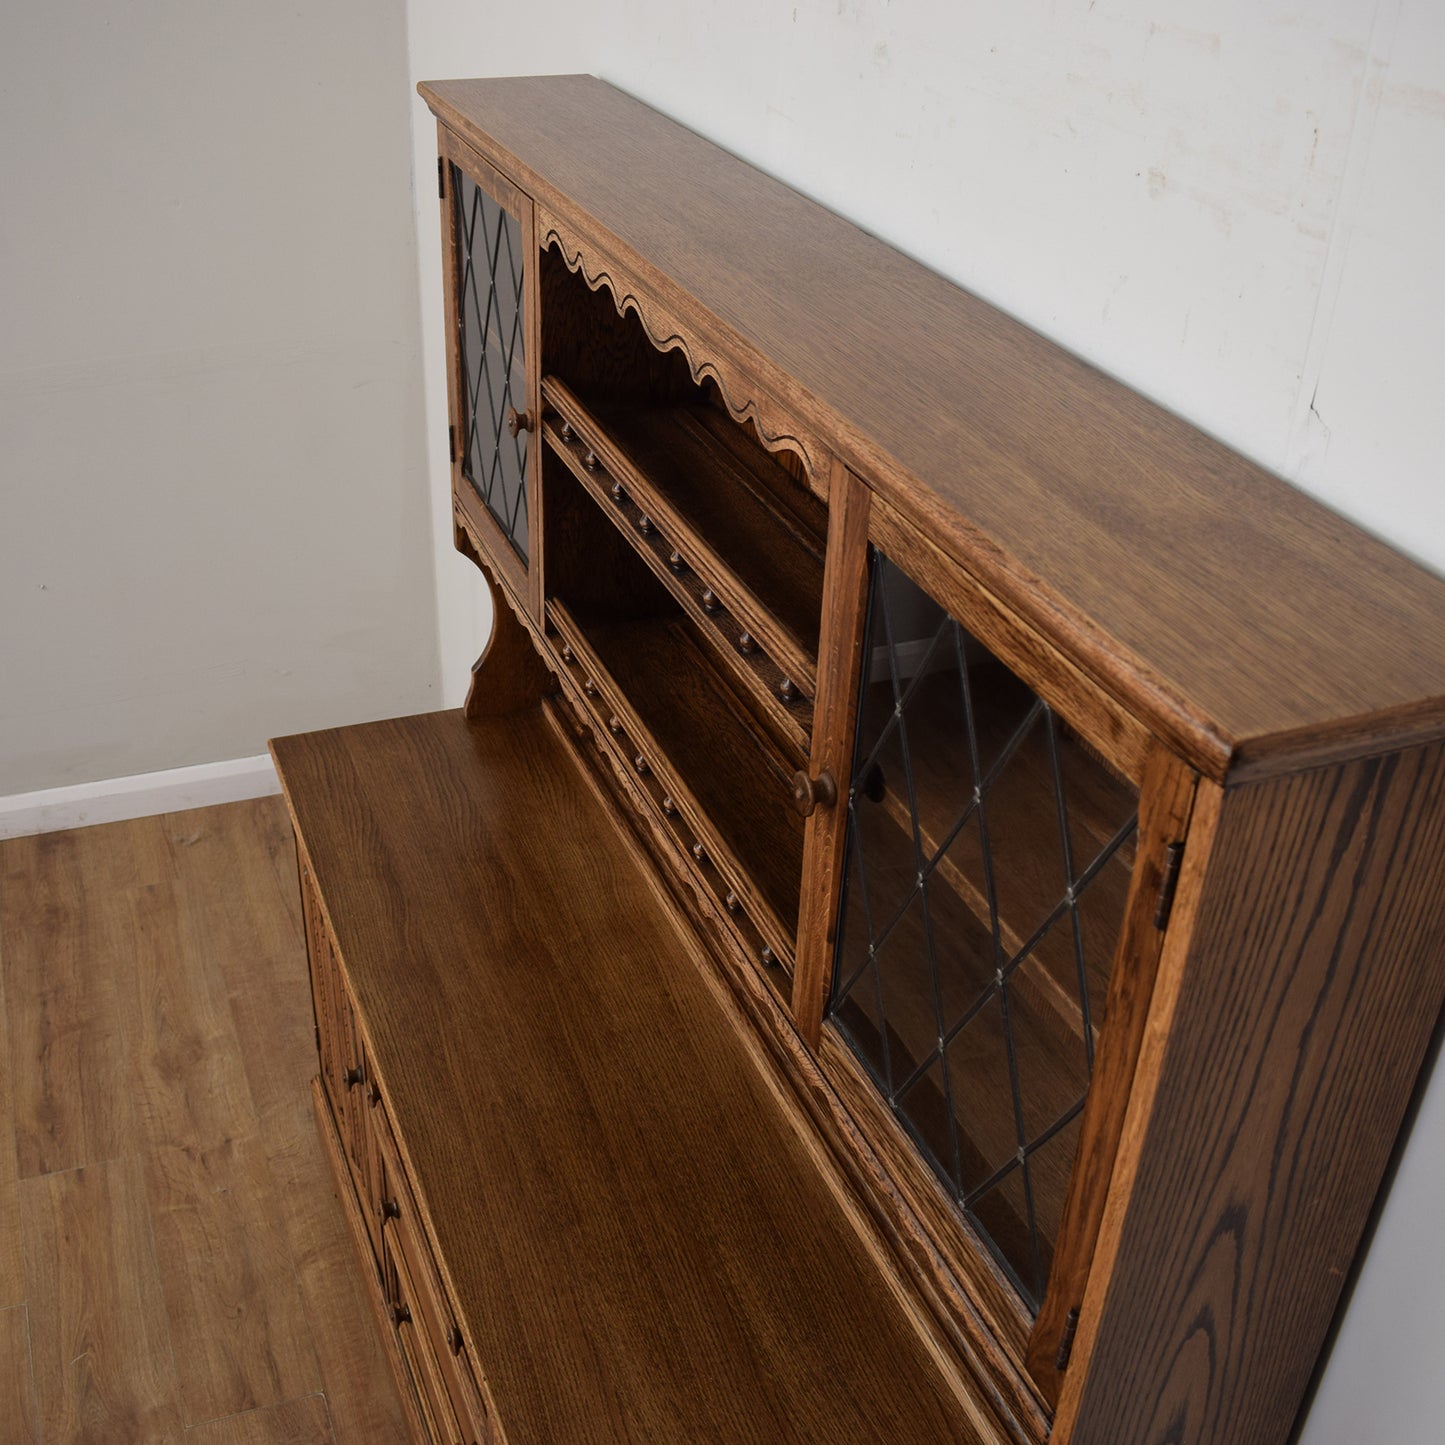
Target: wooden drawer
[(435, 1319)]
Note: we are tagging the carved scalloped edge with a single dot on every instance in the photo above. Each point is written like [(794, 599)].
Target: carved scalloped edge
[(623, 299)]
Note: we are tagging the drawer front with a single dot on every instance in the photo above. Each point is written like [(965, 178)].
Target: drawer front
[(418, 1350), (346, 1072), (432, 1313)]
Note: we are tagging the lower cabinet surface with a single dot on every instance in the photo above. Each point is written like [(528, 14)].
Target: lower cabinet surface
[(586, 1212)]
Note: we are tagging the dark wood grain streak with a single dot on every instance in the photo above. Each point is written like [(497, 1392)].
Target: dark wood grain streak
[(654, 1230), (1280, 1059), (1168, 567)]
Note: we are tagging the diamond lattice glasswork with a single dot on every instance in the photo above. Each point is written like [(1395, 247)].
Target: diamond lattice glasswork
[(988, 861), (493, 352)]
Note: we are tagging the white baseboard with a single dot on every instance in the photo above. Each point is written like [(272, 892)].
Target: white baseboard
[(112, 800)]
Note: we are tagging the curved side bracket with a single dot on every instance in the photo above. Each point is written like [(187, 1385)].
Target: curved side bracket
[(510, 674)]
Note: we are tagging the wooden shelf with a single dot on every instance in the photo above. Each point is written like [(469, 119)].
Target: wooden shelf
[(721, 773), (635, 1232), (742, 526), (781, 704)]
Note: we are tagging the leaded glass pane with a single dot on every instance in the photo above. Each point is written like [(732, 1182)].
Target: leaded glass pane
[(493, 351), (989, 854)]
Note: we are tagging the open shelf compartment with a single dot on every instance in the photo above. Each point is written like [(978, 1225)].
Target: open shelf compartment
[(653, 694), (738, 542)]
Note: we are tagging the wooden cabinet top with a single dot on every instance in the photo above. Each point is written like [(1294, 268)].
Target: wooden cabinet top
[(641, 1243), (1245, 623)]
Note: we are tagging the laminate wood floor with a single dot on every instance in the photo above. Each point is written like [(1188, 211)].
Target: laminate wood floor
[(174, 1263)]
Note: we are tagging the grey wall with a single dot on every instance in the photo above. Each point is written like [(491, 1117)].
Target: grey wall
[(1236, 206), (213, 513)]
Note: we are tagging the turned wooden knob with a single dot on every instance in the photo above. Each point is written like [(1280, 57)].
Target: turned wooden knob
[(699, 852), (745, 642), (810, 793), (669, 807), (787, 689), (390, 1209), (766, 957), (640, 763), (709, 600), (614, 724), (644, 524), (354, 1076), (454, 1340), (518, 421), (674, 560), (566, 430), (732, 901), (590, 688), (618, 495), (400, 1315), (566, 653), (374, 1094), (590, 460)]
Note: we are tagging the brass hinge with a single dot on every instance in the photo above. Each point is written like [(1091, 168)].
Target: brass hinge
[(452, 443), (1066, 1341), (441, 178), (1173, 859)]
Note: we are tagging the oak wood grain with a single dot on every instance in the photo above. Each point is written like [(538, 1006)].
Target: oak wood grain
[(100, 1338), (222, 1254), (1227, 608), (186, 1077), (1280, 1054), (12, 1260), (18, 1421), (68, 961), (641, 1185), (835, 1106), (295, 1422)]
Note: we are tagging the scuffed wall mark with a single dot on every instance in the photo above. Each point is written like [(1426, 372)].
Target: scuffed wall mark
[(1416, 100), (1205, 40), (1309, 437)]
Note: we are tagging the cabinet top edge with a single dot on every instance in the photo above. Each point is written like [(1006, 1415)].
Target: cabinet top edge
[(1268, 631)]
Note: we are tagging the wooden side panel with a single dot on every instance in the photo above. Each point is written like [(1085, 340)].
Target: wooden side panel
[(1283, 1043)]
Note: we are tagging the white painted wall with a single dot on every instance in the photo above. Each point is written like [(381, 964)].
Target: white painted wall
[(213, 515), (1237, 207)]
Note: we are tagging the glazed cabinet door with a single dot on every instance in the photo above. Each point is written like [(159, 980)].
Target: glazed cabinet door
[(490, 271), (998, 916)]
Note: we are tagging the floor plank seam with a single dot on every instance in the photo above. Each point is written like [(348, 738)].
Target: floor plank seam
[(261, 1410)]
